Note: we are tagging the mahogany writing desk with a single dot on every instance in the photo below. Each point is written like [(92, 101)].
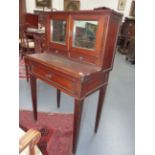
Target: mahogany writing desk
[(81, 48)]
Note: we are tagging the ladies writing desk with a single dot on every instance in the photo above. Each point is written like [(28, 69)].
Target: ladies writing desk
[(79, 57)]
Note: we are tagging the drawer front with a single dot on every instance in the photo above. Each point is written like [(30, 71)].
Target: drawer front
[(55, 78)]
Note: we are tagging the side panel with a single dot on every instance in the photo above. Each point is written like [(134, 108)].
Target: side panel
[(110, 48)]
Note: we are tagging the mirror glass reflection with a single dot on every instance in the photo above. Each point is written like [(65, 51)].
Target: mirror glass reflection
[(58, 31), (84, 34)]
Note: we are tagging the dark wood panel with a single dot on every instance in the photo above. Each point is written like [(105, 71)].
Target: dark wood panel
[(111, 42)]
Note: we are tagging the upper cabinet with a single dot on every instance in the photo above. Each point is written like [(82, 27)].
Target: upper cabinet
[(88, 36)]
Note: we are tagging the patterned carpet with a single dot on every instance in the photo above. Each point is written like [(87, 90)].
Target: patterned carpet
[(56, 130)]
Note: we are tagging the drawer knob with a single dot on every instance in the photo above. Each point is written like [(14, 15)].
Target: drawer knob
[(48, 75)]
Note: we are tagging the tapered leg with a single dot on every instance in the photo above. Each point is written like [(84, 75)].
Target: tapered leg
[(99, 108), (58, 98), (77, 120), (34, 95)]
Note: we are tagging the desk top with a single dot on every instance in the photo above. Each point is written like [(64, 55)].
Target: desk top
[(65, 64)]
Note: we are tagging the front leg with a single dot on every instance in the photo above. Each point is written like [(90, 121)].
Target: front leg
[(78, 106), (33, 84), (58, 97), (99, 107)]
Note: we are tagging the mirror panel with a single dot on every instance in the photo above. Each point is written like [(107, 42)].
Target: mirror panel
[(58, 31), (84, 34)]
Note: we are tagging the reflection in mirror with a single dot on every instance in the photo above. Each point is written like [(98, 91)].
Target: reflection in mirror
[(58, 31), (84, 34)]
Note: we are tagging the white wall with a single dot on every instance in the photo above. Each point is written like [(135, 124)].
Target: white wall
[(84, 5)]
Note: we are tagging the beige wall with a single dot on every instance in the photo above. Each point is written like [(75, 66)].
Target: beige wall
[(85, 5)]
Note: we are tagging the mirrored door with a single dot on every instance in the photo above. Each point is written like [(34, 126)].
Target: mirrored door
[(58, 31), (84, 34)]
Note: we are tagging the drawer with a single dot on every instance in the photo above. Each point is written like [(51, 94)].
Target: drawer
[(54, 77)]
